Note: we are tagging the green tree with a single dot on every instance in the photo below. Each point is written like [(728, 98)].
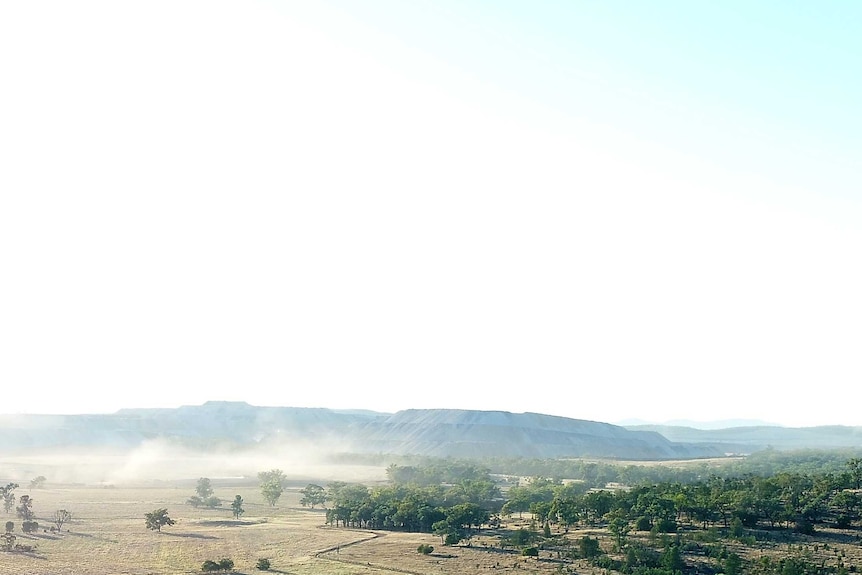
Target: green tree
[(204, 497), (157, 519), (449, 534), (271, 491), (236, 507), (8, 496), (733, 564), (619, 527), (589, 547), (855, 468), (204, 488), (25, 508), (671, 559), (312, 495), (272, 475)]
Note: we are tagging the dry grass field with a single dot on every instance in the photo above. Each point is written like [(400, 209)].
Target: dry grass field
[(107, 536)]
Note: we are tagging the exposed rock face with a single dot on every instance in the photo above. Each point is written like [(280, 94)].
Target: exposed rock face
[(434, 432)]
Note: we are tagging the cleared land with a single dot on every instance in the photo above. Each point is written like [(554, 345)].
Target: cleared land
[(107, 535)]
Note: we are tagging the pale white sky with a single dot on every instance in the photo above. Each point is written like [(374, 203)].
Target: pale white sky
[(595, 210)]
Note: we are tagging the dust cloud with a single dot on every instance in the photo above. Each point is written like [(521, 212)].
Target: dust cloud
[(159, 460)]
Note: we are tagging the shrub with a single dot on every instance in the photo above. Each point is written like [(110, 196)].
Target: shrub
[(263, 564), (222, 565), (530, 551), (425, 549), (643, 523), (29, 527), (589, 547)]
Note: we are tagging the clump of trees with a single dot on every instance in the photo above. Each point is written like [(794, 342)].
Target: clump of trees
[(453, 512), (204, 495), (27, 515), (220, 565)]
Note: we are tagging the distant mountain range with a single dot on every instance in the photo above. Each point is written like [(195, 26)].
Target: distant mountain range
[(432, 432), (748, 439), (715, 424)]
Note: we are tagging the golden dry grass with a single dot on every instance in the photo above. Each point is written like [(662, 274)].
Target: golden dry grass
[(107, 535)]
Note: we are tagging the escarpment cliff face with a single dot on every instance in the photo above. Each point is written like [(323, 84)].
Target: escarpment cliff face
[(469, 434), (432, 432)]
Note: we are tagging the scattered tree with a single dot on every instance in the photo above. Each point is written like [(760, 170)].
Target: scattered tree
[(312, 495), (25, 508), (60, 517), (204, 488), (619, 527), (733, 564), (236, 507), (425, 549), (156, 519), (10, 527), (263, 564), (8, 496), (272, 475), (271, 491), (8, 541), (204, 497), (38, 482)]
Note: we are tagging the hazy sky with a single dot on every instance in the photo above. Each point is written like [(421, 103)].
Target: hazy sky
[(602, 210)]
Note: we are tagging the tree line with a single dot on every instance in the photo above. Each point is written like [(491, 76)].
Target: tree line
[(787, 500)]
